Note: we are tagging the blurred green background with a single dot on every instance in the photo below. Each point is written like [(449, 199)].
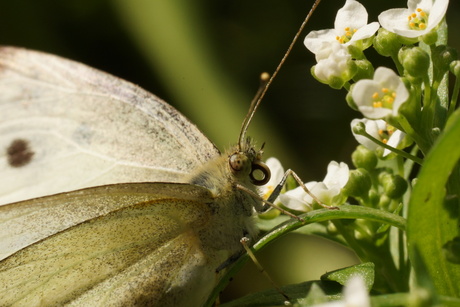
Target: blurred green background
[(205, 57)]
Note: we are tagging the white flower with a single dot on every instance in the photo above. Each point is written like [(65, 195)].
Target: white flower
[(296, 199), (380, 130), (372, 127), (277, 173), (354, 295), (381, 96), (420, 17), (336, 178), (350, 26), (333, 62)]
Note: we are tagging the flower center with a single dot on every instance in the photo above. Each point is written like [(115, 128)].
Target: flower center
[(384, 98), (347, 36), (418, 20), (385, 134), (268, 192)]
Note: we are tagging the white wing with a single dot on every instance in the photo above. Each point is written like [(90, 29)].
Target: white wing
[(109, 246), (65, 126)]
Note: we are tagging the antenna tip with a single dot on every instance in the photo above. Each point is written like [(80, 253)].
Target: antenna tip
[(264, 77)]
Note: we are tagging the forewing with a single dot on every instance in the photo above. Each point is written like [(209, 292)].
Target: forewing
[(66, 126), (141, 254)]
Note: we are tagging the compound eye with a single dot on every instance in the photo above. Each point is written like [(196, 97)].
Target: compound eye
[(260, 173), (238, 162)]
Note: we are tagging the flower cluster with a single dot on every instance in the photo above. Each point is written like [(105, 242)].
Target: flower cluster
[(407, 115)]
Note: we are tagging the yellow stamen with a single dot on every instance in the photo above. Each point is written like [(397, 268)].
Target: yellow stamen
[(418, 20), (269, 191), (383, 101), (347, 36)]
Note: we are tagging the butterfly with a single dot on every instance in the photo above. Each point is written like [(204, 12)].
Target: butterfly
[(110, 195)]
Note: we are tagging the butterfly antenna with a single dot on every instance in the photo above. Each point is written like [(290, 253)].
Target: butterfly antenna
[(266, 79)]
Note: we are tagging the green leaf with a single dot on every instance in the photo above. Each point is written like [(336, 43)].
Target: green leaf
[(331, 290), (365, 270), (432, 219)]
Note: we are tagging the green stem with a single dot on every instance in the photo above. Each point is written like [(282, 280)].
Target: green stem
[(398, 64), (395, 150), (352, 243), (407, 128), (453, 101)]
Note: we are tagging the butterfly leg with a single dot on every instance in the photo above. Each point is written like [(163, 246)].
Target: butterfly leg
[(277, 190), (245, 242), (267, 203)]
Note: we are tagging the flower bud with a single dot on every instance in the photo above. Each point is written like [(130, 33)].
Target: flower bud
[(386, 43), (443, 56), (334, 65), (331, 229), (364, 158), (374, 198), (359, 128), (335, 82), (415, 61), (430, 38), (359, 183), (455, 68), (452, 250), (394, 186), (384, 201), (365, 70)]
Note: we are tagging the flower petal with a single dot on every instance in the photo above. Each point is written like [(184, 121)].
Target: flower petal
[(394, 19), (337, 175), (365, 32), (352, 15), (315, 39), (393, 141), (295, 199)]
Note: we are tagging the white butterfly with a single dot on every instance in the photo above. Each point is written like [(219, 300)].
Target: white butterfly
[(64, 127)]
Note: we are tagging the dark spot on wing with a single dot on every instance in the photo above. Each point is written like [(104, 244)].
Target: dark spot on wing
[(19, 153)]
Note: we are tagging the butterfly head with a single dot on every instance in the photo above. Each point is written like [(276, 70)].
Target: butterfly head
[(246, 161)]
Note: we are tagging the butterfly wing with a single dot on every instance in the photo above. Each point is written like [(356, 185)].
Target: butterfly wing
[(27, 222), (146, 250), (66, 126)]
